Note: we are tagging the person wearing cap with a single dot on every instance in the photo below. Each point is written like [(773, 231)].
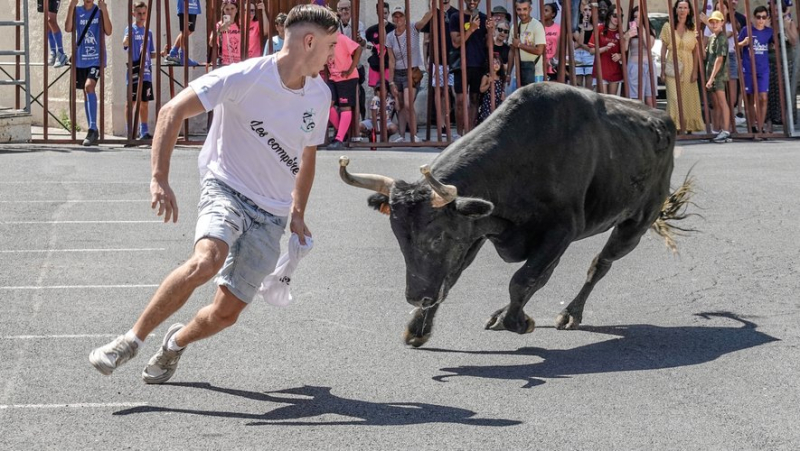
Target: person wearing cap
[(400, 68), (717, 75), (732, 62), (501, 13)]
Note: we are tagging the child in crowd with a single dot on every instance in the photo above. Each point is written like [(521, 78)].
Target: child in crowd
[(54, 38), (175, 56), (85, 20), (717, 75), (552, 33), (368, 126), (493, 80), (762, 38), (140, 15), (343, 81), (277, 40), (229, 38)]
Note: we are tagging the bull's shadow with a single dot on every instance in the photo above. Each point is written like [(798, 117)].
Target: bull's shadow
[(308, 402), (639, 347)]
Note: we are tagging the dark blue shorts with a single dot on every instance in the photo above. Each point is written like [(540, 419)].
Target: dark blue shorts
[(761, 79)]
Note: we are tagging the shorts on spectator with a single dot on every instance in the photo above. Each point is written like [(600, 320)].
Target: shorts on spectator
[(52, 5), (474, 76), (252, 234), (733, 66), (192, 21), (761, 79), (633, 80), (375, 77), (584, 62), (343, 93), (439, 79), (84, 73), (147, 91), (401, 79)]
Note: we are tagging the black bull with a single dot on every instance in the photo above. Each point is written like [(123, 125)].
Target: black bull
[(553, 165)]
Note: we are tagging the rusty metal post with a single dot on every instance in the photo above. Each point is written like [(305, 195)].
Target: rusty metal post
[(490, 59), (777, 41), (624, 58), (46, 69), (648, 43), (463, 50), (751, 53), (598, 68), (445, 70), (700, 53), (185, 46), (382, 82)]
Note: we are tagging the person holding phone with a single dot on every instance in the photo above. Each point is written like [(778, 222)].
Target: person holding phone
[(630, 44)]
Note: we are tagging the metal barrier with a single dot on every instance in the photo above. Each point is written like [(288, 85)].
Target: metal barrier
[(438, 112)]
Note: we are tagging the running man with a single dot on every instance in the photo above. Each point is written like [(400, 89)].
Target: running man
[(257, 167)]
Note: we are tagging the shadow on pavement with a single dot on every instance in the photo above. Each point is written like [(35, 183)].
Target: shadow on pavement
[(308, 402), (639, 347)]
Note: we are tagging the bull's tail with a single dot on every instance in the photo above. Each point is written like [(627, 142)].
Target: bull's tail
[(674, 209)]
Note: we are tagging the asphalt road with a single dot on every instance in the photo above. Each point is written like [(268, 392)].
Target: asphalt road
[(698, 351)]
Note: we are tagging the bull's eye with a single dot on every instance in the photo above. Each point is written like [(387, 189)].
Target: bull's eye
[(437, 241)]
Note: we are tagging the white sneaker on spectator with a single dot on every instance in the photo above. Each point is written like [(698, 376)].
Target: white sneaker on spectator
[(61, 60), (52, 59), (396, 139), (723, 137), (740, 121)]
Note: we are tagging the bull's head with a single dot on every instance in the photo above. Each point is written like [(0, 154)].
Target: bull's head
[(435, 227)]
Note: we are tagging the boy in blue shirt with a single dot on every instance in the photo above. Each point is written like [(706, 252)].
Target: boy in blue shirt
[(57, 56), (175, 55), (85, 20), (762, 38), (140, 15)]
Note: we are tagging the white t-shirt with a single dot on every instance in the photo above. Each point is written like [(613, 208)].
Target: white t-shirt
[(398, 45), (260, 129)]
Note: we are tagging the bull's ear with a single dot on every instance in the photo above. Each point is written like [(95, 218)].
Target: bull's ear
[(379, 202), (473, 208)]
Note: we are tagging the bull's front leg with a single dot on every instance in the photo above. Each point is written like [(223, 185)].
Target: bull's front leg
[(420, 328), (527, 281)]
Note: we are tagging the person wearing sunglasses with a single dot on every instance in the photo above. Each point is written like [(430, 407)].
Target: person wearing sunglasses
[(761, 40), (228, 37)]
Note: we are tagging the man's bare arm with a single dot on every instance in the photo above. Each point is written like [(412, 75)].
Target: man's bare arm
[(302, 189), (185, 105)]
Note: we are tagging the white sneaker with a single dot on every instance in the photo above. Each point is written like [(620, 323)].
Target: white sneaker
[(61, 60), (396, 139), (740, 121), (162, 366), (52, 59), (109, 357), (723, 137)]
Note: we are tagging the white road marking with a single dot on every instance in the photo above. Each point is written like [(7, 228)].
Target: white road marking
[(33, 251), (81, 222), (79, 405), (39, 337), (76, 201), (67, 287)]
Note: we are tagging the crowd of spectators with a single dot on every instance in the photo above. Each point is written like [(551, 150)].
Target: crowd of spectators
[(729, 51)]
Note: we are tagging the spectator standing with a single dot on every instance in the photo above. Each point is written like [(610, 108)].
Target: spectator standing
[(552, 33), (717, 75), (732, 61), (447, 53), (630, 43), (229, 36), (378, 50), (609, 50), (492, 80), (175, 55), (774, 101), (277, 40), (528, 38), (256, 177), (762, 39), (343, 82), (140, 15), (584, 59), (54, 37), (474, 38), (344, 10), (684, 48), (501, 31), (85, 20), (399, 67), (501, 13)]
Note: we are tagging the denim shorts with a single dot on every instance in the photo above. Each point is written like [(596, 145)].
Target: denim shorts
[(252, 234)]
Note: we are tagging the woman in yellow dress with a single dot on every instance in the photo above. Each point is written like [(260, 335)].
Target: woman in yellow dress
[(686, 38)]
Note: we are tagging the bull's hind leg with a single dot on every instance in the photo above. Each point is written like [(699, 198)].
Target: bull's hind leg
[(527, 281), (623, 239), (420, 327)]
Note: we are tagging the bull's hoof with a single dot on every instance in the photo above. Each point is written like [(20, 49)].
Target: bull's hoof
[(498, 322), (567, 321), (414, 340)]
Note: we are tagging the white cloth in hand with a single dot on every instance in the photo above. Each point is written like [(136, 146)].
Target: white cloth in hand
[(275, 287)]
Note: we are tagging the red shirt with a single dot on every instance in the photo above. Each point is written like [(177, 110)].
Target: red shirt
[(612, 71)]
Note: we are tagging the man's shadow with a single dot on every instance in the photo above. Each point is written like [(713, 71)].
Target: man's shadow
[(639, 347), (309, 402)]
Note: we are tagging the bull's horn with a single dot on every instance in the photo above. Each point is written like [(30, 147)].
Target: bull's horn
[(374, 182), (446, 193)]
